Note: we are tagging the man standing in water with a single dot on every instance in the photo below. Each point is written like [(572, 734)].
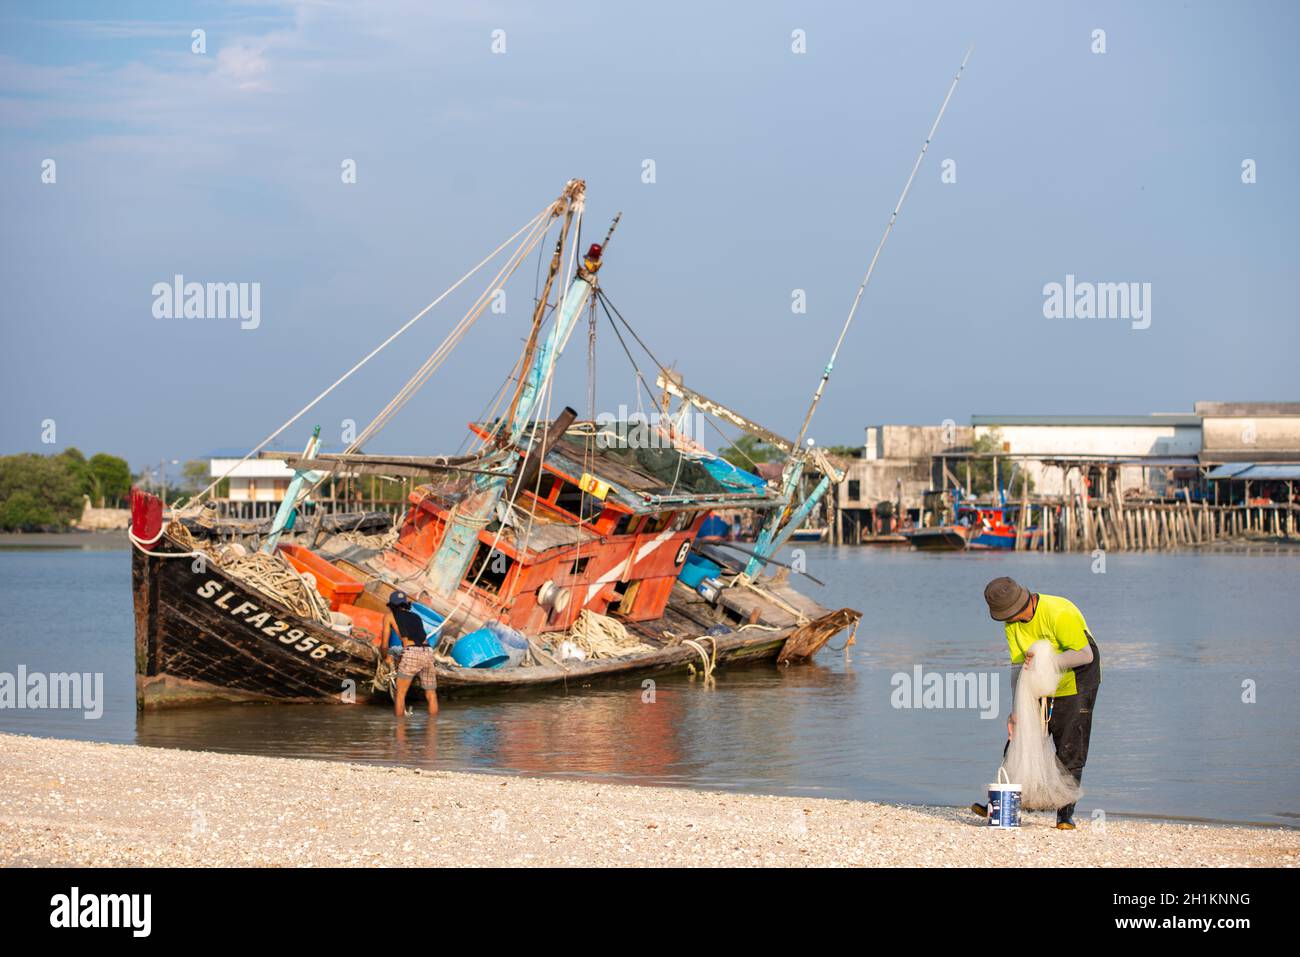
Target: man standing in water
[(417, 655), (1032, 617)]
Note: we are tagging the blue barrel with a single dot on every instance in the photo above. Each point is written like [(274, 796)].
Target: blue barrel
[(432, 620), (695, 569), (479, 649), (513, 643)]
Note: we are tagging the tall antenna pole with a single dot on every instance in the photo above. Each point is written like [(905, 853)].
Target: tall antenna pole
[(826, 374)]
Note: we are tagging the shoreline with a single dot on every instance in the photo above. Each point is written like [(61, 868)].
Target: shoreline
[(76, 540), (77, 803)]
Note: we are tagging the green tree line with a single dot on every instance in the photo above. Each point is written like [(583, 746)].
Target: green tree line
[(44, 492), (1010, 474)]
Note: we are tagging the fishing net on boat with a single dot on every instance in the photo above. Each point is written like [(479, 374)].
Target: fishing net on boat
[(274, 577), (1031, 759)]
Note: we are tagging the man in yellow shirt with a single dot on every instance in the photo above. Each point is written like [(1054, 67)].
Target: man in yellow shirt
[(1028, 618)]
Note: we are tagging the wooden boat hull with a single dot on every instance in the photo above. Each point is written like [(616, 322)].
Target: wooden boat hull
[(203, 637), (200, 636), (1004, 539), (945, 538)]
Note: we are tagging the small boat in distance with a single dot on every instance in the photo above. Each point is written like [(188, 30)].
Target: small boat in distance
[(940, 538), (978, 527)]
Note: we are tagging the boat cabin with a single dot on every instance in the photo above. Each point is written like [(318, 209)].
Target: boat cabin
[(604, 524)]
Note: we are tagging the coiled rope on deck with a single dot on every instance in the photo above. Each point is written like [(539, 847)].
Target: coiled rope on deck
[(601, 636), (380, 541), (273, 576)]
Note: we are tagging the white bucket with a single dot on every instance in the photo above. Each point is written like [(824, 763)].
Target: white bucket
[(1004, 802)]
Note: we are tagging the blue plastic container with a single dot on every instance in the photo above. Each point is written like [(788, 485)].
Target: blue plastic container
[(695, 569), (507, 635), (432, 620), (514, 643), (479, 649)]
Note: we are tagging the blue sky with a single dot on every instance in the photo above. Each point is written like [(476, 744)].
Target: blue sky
[(774, 172)]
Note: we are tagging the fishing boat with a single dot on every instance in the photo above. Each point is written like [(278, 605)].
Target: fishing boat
[(205, 632), (989, 527), (938, 538), (978, 527), (556, 553), (573, 540)]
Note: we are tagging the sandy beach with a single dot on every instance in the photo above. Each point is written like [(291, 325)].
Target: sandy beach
[(79, 803)]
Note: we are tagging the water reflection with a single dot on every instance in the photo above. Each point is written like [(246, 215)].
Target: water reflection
[(1179, 635)]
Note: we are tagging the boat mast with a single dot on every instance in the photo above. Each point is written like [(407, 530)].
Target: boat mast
[(889, 227), (539, 308), (475, 511), (772, 535), (302, 475)]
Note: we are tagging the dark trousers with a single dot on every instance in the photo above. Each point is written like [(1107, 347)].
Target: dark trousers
[(1071, 729)]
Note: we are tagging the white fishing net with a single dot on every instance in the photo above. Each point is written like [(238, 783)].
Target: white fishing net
[(1031, 759)]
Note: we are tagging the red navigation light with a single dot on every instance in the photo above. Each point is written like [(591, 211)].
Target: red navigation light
[(594, 252)]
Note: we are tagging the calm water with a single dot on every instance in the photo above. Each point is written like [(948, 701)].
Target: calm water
[(1179, 634)]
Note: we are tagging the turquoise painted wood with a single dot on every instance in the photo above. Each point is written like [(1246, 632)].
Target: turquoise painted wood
[(458, 544)]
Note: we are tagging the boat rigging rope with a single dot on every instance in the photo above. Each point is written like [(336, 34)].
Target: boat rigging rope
[(143, 546), (379, 541), (852, 639), (889, 228), (638, 378), (445, 348), (547, 384), (374, 352), (439, 355)]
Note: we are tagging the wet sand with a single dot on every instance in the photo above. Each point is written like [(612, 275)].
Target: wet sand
[(79, 803)]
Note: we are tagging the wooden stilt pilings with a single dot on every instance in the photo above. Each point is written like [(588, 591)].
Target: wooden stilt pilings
[(1075, 522)]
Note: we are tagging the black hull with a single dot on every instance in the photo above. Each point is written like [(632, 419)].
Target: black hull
[(203, 637), (943, 539), (191, 647)]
